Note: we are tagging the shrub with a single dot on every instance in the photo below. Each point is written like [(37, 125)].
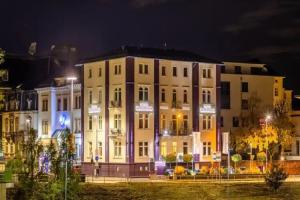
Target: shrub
[(236, 158), (261, 156), (204, 170), (275, 177), (179, 170)]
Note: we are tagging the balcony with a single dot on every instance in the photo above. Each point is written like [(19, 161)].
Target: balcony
[(172, 132), (115, 104), (115, 133)]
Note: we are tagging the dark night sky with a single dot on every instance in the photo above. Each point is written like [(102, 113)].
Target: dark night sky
[(224, 30)]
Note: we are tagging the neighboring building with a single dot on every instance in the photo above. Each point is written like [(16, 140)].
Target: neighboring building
[(18, 116), (137, 100), (242, 81), (294, 153), (54, 111)]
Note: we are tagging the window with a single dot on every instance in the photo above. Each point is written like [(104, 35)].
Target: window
[(90, 73), (244, 86), (143, 149), (143, 94), (174, 96), (29, 103), (90, 97), (143, 69), (206, 96), (77, 102), (223, 69), (185, 96), (90, 122), (163, 71), (16, 124), (58, 104), (276, 92), (174, 147), (185, 148), (235, 121), (244, 104), (65, 104), (100, 122), (77, 125), (11, 124), (45, 127), (225, 95), (174, 71), (100, 96), (185, 72), (100, 72), (206, 73), (90, 149), (206, 148), (100, 149), (118, 95), (221, 121), (117, 69), (163, 149), (117, 149), (45, 105), (238, 69), (143, 121), (163, 95), (6, 125), (185, 122), (174, 123), (206, 122), (163, 121), (117, 121)]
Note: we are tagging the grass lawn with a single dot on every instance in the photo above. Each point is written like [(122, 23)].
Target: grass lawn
[(191, 191)]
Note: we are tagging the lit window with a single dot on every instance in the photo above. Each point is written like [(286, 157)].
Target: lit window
[(163, 121), (45, 127), (163, 149), (117, 149), (206, 148), (45, 105), (100, 149)]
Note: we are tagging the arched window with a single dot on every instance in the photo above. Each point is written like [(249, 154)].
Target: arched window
[(141, 91), (185, 96), (163, 95), (204, 96), (174, 95), (208, 97)]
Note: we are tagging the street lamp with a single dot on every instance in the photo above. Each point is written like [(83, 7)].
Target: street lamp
[(267, 119), (72, 79)]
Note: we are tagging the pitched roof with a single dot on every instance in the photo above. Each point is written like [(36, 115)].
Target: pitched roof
[(169, 54)]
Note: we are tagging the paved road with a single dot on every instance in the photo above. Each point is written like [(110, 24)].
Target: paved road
[(210, 180)]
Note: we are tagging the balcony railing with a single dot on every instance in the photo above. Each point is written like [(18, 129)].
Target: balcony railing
[(115, 132), (172, 132), (115, 104)]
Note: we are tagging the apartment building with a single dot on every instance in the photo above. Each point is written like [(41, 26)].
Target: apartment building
[(241, 82), (140, 104)]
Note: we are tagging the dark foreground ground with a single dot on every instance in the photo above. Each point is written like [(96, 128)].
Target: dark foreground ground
[(190, 191)]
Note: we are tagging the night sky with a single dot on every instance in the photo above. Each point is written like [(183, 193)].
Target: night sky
[(224, 30)]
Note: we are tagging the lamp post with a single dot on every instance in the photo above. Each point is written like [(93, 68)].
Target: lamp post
[(267, 119), (72, 79)]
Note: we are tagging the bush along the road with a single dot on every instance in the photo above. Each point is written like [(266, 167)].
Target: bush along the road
[(34, 181), (275, 177)]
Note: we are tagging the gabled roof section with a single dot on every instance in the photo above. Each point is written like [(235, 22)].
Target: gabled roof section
[(146, 52)]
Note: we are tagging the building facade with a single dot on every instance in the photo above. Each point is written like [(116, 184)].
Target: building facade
[(243, 84), (142, 104)]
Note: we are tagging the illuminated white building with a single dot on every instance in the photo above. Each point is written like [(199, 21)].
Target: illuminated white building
[(141, 104)]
